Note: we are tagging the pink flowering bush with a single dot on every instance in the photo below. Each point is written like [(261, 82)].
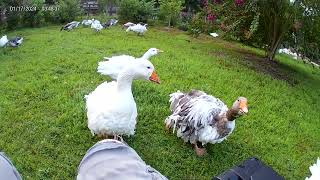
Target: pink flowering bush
[(239, 2)]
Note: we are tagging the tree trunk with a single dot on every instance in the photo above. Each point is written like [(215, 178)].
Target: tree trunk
[(276, 31), (273, 50)]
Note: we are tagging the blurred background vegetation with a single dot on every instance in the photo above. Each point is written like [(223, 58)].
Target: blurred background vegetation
[(269, 25)]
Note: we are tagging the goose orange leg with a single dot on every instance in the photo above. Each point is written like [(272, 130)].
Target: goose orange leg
[(200, 150)]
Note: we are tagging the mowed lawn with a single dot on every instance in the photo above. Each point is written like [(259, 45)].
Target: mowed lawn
[(43, 123)]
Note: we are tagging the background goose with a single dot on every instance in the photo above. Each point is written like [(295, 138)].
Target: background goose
[(15, 42), (4, 40), (138, 28), (315, 171), (96, 25), (114, 65), (128, 24), (111, 108), (70, 26), (87, 22), (111, 22), (200, 118), (214, 34)]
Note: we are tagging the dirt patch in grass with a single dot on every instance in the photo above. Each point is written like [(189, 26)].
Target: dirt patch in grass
[(272, 68), (259, 63)]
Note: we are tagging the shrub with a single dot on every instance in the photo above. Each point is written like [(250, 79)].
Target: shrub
[(184, 21), (135, 10), (69, 10), (170, 10), (33, 18)]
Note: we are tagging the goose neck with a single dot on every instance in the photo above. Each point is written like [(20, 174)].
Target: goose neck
[(231, 114), (124, 82), (146, 55)]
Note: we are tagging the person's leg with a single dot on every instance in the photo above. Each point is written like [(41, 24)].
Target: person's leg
[(7, 169), (112, 159)]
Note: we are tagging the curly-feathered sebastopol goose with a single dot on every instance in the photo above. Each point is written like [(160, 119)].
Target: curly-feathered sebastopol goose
[(315, 171), (200, 118)]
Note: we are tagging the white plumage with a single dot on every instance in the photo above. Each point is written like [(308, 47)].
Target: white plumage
[(214, 34), (15, 42), (200, 118), (138, 28), (87, 22), (96, 25), (3, 41), (128, 24), (315, 171), (111, 109), (114, 65), (289, 52)]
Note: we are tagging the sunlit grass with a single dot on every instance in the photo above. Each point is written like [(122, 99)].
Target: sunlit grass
[(42, 111)]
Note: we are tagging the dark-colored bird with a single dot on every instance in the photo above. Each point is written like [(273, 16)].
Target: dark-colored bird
[(70, 26), (15, 42), (109, 23)]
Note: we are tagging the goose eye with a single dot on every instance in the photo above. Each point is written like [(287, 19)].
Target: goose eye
[(149, 67)]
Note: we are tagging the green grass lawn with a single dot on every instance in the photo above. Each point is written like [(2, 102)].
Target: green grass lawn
[(43, 124)]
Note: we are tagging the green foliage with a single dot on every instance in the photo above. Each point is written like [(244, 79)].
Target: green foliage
[(264, 24), (197, 24), (69, 10), (63, 11), (136, 10), (170, 10), (106, 5), (304, 36), (34, 18)]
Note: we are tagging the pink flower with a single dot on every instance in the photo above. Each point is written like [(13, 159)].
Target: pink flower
[(239, 2), (205, 2), (217, 1), (211, 17)]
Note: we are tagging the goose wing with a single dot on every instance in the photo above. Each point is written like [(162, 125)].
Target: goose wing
[(114, 65), (192, 112)]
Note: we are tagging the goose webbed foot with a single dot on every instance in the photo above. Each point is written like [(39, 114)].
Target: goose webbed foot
[(167, 127), (200, 150), (118, 138)]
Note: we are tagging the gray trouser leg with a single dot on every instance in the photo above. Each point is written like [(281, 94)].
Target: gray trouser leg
[(7, 169)]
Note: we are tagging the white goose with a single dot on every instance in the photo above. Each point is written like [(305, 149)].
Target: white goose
[(200, 118), (138, 28), (114, 65), (128, 24), (96, 25), (87, 22), (315, 171), (4, 40), (111, 108)]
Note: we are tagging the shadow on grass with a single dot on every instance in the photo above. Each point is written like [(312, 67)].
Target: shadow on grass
[(276, 69)]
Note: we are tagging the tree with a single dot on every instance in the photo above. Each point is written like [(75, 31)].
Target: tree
[(170, 10), (276, 19), (135, 10), (262, 23), (304, 36)]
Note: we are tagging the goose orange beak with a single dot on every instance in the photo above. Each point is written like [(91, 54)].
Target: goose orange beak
[(244, 106), (154, 77)]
